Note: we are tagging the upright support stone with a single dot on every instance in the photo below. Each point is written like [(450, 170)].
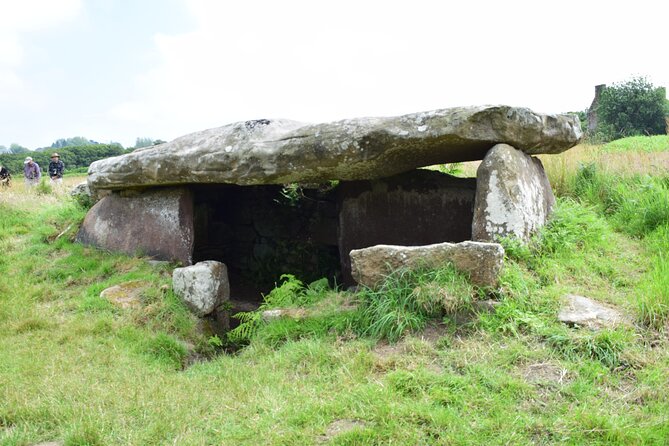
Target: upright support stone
[(513, 195), (157, 223)]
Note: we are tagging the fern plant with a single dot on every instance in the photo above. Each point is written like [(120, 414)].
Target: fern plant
[(290, 292)]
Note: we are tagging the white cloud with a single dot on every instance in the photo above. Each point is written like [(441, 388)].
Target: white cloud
[(17, 19), (318, 61)]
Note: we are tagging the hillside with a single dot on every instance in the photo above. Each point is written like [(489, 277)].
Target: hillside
[(421, 362)]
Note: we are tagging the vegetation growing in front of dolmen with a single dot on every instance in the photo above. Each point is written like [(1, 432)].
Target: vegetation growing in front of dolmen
[(415, 362)]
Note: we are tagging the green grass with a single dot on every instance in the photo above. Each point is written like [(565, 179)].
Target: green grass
[(414, 362), (657, 143)]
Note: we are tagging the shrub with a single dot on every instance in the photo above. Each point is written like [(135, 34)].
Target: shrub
[(634, 107)]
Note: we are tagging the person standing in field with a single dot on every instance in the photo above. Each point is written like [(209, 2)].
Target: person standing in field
[(5, 177), (56, 168), (31, 172)]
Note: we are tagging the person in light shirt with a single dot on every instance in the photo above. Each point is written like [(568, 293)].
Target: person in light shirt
[(31, 172)]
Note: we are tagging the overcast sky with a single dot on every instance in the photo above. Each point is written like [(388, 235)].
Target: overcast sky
[(115, 70)]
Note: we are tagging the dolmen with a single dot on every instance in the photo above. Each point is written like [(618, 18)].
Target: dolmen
[(271, 197)]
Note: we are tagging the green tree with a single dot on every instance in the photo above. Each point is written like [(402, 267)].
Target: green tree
[(143, 142), (17, 148), (634, 107), (71, 142)]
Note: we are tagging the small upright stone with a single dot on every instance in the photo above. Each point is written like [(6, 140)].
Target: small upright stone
[(513, 195), (203, 286)]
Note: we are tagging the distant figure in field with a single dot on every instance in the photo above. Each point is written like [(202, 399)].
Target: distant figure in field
[(56, 168), (31, 172), (5, 177)]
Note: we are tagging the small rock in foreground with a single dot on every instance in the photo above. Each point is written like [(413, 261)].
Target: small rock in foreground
[(584, 312)]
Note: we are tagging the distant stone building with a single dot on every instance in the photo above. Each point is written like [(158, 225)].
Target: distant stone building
[(592, 111)]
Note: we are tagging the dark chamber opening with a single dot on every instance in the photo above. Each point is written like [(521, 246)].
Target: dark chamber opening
[(262, 232)]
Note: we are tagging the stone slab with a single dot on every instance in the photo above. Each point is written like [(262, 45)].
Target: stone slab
[(282, 151), (481, 261), (156, 223)]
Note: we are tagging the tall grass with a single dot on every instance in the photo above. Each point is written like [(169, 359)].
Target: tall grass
[(408, 299), (627, 181)]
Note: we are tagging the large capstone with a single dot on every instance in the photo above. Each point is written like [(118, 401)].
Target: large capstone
[(156, 223), (513, 195), (482, 262), (282, 151)]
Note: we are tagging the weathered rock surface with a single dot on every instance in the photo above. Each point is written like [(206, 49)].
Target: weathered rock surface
[(203, 286), (283, 151), (125, 295), (584, 312), (513, 195), (157, 223), (481, 261), (81, 189)]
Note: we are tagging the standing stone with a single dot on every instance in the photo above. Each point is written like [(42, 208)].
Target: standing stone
[(156, 223), (482, 262), (513, 195), (203, 286)]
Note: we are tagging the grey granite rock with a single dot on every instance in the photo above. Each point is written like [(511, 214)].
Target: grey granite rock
[(283, 151), (481, 261), (513, 195)]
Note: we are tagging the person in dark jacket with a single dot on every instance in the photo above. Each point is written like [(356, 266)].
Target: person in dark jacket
[(5, 177), (56, 168)]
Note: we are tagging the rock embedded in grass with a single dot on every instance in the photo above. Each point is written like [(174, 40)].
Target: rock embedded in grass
[(584, 312), (125, 295), (203, 286)]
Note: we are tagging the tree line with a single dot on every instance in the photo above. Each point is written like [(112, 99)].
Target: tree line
[(77, 153), (72, 157)]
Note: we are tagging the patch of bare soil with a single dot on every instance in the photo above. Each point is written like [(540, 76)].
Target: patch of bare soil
[(546, 373), (339, 427)]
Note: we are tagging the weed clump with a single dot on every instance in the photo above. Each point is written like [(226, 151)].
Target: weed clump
[(404, 303)]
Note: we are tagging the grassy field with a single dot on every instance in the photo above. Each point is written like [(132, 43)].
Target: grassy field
[(415, 363)]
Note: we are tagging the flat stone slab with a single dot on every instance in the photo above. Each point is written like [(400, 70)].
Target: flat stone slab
[(125, 295), (481, 261), (282, 151), (585, 312)]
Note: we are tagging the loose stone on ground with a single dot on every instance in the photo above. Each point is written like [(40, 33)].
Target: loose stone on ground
[(203, 286), (584, 312), (125, 295)]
